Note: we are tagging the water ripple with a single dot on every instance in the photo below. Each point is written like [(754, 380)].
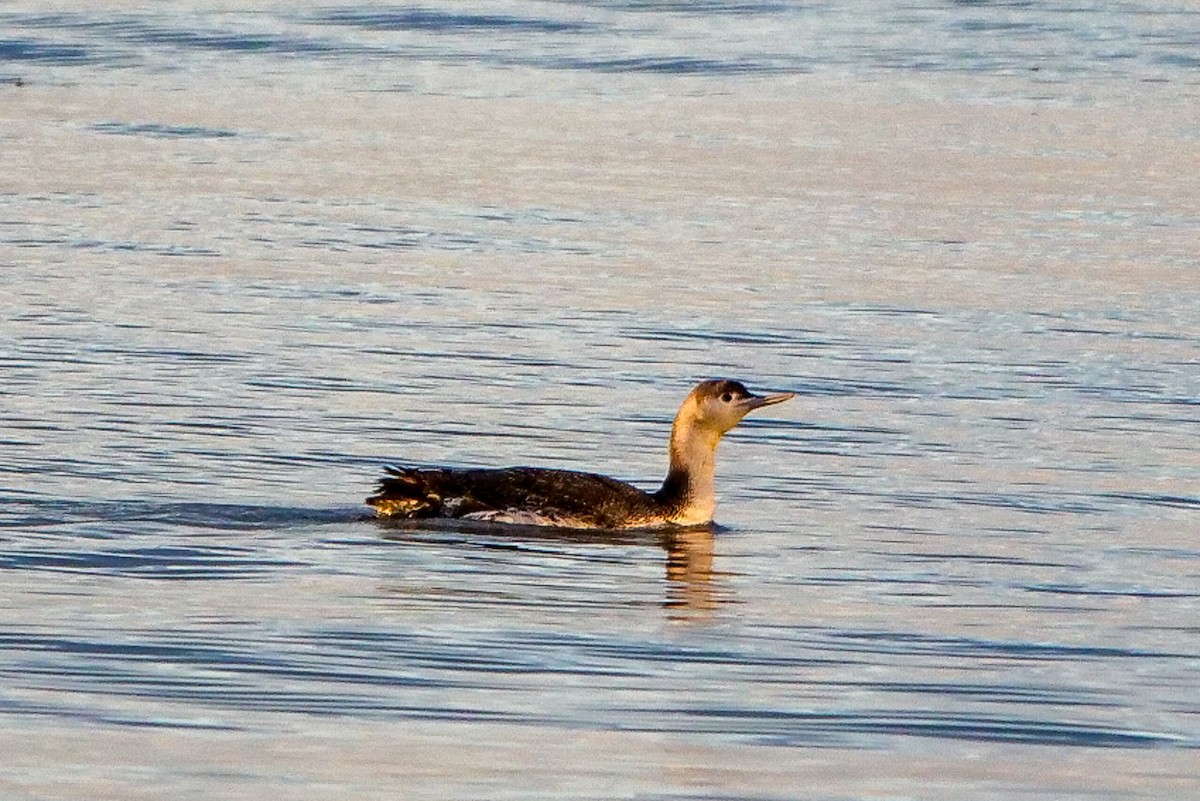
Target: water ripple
[(367, 673), (435, 21), (814, 728), (161, 131)]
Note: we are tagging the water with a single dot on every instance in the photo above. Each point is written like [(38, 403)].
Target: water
[(250, 257)]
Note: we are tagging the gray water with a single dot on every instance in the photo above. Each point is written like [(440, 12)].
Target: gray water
[(248, 258)]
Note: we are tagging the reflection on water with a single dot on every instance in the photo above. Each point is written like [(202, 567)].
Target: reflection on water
[(248, 257), (691, 589)]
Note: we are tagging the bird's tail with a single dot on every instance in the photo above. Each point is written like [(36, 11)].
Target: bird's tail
[(406, 492)]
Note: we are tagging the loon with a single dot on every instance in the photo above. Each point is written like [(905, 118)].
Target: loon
[(569, 499)]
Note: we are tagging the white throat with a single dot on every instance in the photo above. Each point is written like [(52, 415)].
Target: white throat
[(693, 456)]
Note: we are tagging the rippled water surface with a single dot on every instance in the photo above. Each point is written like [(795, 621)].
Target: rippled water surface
[(249, 257)]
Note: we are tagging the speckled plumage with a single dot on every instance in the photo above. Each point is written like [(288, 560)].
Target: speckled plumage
[(566, 498), (527, 495)]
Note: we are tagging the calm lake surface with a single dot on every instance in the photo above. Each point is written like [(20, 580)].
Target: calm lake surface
[(248, 258)]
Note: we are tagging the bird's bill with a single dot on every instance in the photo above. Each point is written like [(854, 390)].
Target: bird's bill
[(758, 401)]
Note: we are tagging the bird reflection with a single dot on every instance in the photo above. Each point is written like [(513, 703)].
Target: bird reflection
[(691, 587), (693, 590)]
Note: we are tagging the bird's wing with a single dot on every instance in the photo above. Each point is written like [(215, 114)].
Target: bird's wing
[(565, 497)]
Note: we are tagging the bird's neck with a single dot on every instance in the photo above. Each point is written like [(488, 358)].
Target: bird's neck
[(688, 490)]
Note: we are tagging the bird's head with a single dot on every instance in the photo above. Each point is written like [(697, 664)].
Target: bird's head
[(720, 404)]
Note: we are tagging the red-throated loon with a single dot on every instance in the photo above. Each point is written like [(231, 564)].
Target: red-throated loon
[(565, 498)]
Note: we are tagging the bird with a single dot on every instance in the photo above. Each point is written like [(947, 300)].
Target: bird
[(539, 496)]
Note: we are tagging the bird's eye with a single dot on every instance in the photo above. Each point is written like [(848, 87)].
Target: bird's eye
[(727, 397)]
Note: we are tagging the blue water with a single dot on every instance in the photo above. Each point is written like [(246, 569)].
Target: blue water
[(249, 257), (1051, 44)]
